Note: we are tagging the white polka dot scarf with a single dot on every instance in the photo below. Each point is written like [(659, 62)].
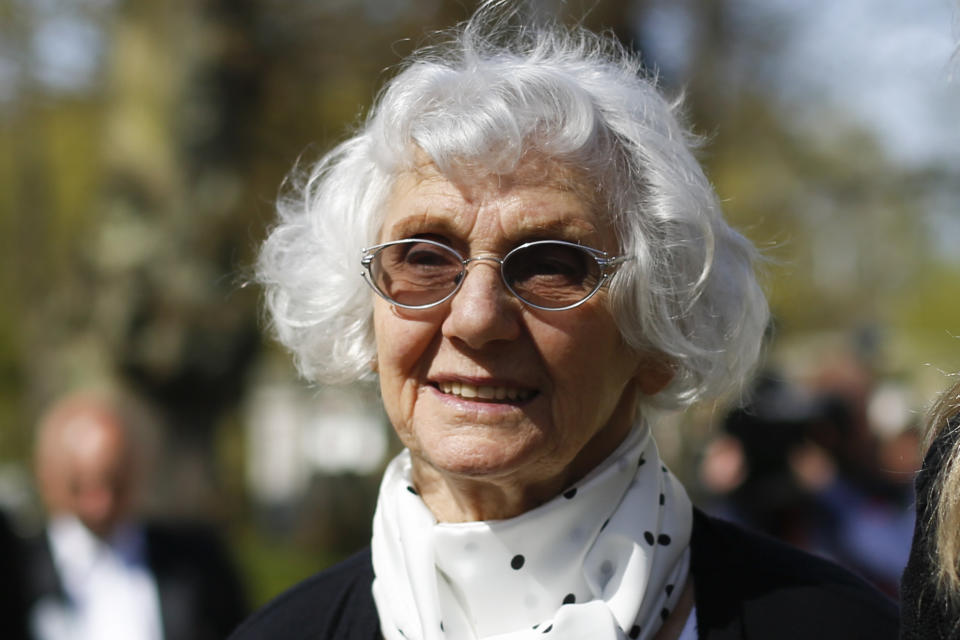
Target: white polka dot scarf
[(606, 559)]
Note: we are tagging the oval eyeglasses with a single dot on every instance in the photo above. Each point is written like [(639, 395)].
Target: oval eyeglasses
[(553, 275)]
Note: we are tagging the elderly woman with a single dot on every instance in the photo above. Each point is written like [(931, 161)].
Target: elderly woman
[(547, 268)]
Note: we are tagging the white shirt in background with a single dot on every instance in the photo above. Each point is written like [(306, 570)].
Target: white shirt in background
[(112, 593)]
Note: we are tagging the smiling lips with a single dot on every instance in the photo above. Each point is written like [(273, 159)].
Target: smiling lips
[(485, 392)]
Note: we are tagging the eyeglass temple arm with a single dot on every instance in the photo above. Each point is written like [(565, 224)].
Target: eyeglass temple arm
[(613, 262)]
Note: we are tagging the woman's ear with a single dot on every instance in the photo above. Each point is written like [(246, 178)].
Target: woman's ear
[(654, 373)]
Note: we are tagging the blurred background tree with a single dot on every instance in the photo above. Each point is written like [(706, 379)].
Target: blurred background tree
[(142, 145)]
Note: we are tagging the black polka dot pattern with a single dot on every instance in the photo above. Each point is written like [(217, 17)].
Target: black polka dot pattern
[(605, 523), (569, 494), (642, 461), (662, 499), (517, 561), (412, 490), (664, 614), (569, 599), (669, 589), (662, 539), (548, 628), (634, 631)]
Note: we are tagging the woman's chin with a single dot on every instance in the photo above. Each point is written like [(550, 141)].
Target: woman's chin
[(462, 480), (479, 456)]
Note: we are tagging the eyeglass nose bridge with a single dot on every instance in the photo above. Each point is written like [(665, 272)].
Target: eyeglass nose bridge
[(482, 256), (478, 258)]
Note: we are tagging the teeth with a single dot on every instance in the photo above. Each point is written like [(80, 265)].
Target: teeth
[(486, 392)]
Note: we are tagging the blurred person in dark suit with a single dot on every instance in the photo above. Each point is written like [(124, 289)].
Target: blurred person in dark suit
[(13, 623), (99, 572)]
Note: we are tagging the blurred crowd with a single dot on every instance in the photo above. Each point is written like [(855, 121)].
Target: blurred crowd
[(826, 464)]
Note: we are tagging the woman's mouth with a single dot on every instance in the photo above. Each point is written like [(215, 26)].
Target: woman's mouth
[(487, 393)]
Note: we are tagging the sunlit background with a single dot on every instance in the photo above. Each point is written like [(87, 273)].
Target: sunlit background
[(142, 144)]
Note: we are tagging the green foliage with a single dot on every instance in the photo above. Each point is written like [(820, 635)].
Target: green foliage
[(269, 566)]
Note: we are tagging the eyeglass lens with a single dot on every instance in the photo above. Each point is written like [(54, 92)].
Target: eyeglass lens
[(545, 274)]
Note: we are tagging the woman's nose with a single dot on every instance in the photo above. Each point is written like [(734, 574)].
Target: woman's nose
[(483, 310)]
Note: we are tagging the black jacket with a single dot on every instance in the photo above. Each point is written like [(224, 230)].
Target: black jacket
[(13, 619), (746, 586), (201, 597)]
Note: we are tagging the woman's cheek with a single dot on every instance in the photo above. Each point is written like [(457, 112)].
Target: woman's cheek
[(403, 355)]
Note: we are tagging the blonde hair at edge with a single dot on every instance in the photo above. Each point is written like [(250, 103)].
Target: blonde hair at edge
[(488, 99), (945, 414)]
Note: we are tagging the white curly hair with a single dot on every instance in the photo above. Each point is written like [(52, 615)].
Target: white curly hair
[(492, 94)]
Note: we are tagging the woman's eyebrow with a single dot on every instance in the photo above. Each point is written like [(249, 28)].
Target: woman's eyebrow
[(569, 229), (419, 224)]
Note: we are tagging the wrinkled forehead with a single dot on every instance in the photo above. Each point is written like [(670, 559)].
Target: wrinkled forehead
[(476, 182), (476, 179), (541, 197)]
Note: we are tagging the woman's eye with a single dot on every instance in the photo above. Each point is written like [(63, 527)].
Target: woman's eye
[(555, 266), (428, 255), (550, 261)]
